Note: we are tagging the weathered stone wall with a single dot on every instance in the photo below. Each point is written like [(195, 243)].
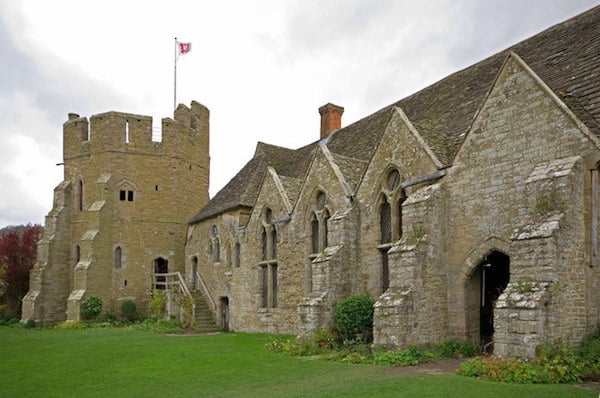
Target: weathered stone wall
[(400, 148), (168, 181), (49, 282), (414, 308), (520, 127)]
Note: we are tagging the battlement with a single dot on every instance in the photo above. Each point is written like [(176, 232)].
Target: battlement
[(131, 133)]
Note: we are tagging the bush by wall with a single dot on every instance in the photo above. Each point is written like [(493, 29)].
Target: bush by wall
[(129, 310), (553, 363), (91, 308), (354, 318)]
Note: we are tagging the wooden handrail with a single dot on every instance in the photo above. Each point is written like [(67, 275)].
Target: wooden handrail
[(175, 279), (206, 292)]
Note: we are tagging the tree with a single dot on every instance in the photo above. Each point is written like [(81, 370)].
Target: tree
[(18, 253)]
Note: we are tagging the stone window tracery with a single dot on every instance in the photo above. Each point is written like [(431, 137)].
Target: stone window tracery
[(268, 266), (214, 244), (389, 214), (318, 225)]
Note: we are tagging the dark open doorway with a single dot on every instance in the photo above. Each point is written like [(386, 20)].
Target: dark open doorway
[(161, 266), (495, 275), (225, 313)]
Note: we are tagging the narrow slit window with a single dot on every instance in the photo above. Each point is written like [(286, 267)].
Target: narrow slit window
[(118, 258), (238, 254), (80, 195), (314, 226), (385, 222)]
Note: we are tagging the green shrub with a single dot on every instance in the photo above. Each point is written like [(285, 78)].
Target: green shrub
[(454, 349), (187, 306), (158, 304), (128, 310), (410, 356), (91, 308), (560, 361), (354, 318), (554, 363), (504, 369), (160, 326), (30, 324), (589, 354)]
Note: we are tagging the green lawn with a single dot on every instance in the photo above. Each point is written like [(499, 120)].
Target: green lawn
[(129, 363)]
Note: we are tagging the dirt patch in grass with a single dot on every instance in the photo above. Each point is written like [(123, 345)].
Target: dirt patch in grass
[(442, 366)]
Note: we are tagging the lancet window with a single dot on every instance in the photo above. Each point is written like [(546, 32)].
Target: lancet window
[(268, 266)]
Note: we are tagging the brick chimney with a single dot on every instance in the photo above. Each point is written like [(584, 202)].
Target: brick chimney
[(331, 118)]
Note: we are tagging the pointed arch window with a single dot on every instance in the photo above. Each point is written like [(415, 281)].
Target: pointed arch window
[(268, 266), (318, 225), (118, 257), (314, 232), (265, 245), (214, 245), (385, 221), (390, 201), (217, 251)]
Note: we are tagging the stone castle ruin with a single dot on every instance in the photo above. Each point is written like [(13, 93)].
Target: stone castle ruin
[(467, 210)]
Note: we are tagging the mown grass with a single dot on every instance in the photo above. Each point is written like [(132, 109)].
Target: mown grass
[(122, 362)]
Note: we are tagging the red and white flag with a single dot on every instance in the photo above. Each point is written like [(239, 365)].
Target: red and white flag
[(183, 48)]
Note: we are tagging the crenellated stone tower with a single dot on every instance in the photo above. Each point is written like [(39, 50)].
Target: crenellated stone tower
[(121, 212)]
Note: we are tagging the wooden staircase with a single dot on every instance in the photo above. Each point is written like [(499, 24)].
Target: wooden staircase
[(205, 319)]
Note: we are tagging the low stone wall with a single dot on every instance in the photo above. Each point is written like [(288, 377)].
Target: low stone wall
[(521, 318)]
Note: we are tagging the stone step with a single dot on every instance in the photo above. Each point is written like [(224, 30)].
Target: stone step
[(205, 321)]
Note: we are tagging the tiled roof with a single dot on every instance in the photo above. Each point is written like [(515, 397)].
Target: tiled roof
[(243, 189), (292, 187), (566, 56), (352, 169)]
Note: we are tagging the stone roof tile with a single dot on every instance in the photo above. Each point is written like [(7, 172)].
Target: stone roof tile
[(565, 56)]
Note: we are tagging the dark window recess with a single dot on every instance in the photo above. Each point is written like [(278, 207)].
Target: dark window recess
[(385, 271), (238, 254), (264, 245), (385, 222), (314, 226), (125, 195), (273, 285), (118, 258), (264, 276)]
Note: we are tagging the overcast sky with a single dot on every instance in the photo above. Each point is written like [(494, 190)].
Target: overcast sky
[(263, 68)]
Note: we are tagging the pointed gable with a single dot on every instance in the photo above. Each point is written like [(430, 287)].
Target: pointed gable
[(566, 57), (243, 189)]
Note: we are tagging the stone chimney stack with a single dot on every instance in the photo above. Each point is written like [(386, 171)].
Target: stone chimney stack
[(331, 118)]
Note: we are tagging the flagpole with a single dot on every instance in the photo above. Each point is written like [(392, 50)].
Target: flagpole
[(175, 78)]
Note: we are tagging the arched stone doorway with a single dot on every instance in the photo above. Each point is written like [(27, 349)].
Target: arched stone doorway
[(161, 266), (488, 280)]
